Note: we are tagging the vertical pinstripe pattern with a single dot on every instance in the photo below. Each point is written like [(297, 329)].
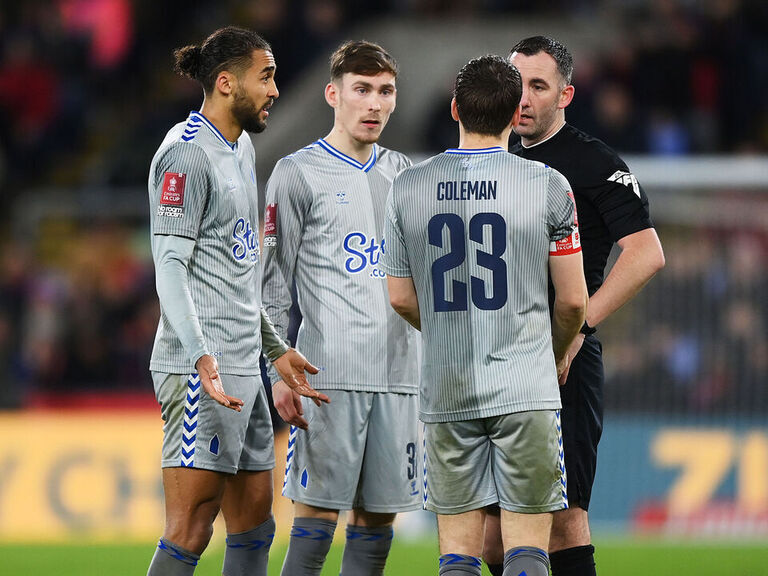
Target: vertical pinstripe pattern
[(487, 333), (329, 216), (220, 212)]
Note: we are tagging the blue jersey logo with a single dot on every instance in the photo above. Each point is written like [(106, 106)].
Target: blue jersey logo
[(246, 241), (365, 254)]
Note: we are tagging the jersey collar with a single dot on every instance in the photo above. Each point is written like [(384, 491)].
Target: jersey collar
[(341, 156), (545, 139), (196, 119), (463, 151)]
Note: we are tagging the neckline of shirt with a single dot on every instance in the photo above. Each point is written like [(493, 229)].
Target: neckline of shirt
[(348, 159), (548, 138), (199, 116), (491, 150)]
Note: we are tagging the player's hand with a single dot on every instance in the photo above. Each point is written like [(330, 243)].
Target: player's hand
[(288, 405), (573, 349), (208, 369), (291, 367)]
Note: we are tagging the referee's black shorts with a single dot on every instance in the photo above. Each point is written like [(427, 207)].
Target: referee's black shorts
[(582, 420)]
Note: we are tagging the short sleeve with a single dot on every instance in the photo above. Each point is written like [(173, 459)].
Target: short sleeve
[(394, 259), (178, 192), (562, 221), (621, 201)]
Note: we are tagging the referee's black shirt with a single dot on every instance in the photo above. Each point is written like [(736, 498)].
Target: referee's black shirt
[(609, 202)]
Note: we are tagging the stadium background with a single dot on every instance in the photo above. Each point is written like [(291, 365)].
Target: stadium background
[(86, 94)]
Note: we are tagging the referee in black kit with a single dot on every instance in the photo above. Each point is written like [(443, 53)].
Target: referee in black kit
[(611, 207)]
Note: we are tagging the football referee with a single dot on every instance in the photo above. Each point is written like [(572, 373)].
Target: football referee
[(612, 208)]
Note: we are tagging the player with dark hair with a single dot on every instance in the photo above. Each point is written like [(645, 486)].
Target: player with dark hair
[(323, 232), (218, 450), (471, 236), (612, 208)]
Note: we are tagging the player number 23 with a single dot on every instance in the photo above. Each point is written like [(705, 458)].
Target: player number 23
[(492, 260)]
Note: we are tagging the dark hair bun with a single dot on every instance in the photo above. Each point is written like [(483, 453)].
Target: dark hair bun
[(188, 60)]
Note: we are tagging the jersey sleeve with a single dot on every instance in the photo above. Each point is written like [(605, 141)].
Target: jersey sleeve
[(179, 188), (562, 220), (394, 259), (288, 200), (620, 200)]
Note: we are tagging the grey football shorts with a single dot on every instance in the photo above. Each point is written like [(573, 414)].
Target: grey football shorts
[(515, 460), (360, 451), (198, 432)]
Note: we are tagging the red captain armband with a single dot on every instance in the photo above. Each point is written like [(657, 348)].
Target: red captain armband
[(568, 245)]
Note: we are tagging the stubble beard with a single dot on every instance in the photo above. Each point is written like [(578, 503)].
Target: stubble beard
[(247, 114)]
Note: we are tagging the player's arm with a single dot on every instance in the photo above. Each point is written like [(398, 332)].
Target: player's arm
[(571, 298), (289, 362), (403, 298), (172, 255), (640, 258), (287, 202)]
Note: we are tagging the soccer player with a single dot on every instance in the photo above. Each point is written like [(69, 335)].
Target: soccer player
[(471, 235), (323, 231), (218, 450), (612, 208)]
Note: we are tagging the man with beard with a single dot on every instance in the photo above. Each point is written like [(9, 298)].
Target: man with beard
[(612, 208), (323, 232), (218, 450)]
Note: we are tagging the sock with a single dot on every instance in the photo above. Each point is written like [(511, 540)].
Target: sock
[(310, 540), (248, 552), (172, 560), (526, 561), (496, 569), (459, 565), (366, 550), (576, 561)]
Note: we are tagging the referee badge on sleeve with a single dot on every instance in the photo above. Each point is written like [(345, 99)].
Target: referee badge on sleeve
[(172, 195), (270, 225)]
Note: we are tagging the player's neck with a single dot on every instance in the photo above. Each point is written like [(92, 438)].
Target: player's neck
[(360, 151), (472, 141), (223, 121)]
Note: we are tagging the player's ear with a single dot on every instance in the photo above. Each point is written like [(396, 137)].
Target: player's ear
[(566, 96), (332, 94), (225, 82), (454, 110), (515, 118)]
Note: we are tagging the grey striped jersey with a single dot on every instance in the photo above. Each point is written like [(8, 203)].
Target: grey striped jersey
[(204, 188), (473, 229), (323, 230)]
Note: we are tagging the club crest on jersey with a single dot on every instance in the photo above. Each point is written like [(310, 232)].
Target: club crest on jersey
[(172, 195), (246, 241), (627, 179), (365, 254), (270, 225)]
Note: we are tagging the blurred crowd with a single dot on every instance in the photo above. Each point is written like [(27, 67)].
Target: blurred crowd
[(86, 94)]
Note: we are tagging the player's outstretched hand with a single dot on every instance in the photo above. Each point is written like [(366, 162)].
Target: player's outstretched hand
[(291, 367), (288, 405), (208, 369)]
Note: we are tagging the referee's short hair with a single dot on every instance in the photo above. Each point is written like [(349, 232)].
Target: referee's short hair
[(361, 57), (487, 93), (535, 44), (229, 48)]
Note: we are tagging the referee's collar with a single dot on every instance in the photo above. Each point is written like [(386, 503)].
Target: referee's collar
[(348, 159), (556, 132)]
